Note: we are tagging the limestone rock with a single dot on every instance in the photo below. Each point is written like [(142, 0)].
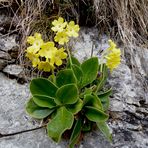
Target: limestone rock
[(128, 105), (4, 59), (128, 109), (8, 42), (88, 44), (3, 63), (17, 72), (14, 70), (4, 55), (13, 118)]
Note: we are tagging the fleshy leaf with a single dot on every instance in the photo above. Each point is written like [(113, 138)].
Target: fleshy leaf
[(105, 130), (95, 115), (67, 94), (37, 112), (42, 86), (65, 77), (92, 100), (44, 101), (75, 133), (87, 91), (103, 78), (74, 61), (104, 98), (90, 70), (78, 73), (62, 121), (75, 108), (52, 78)]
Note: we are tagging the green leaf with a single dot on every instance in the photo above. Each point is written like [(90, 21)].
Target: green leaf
[(78, 73), (105, 130), (92, 100), (90, 70), (104, 98), (65, 77), (37, 112), (44, 101), (62, 121), (105, 94), (75, 108), (74, 61), (52, 78), (75, 133), (42, 86), (67, 94), (103, 78), (94, 114), (87, 91)]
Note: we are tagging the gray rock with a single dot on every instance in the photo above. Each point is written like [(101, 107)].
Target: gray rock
[(14, 70), (13, 118), (128, 110), (128, 105), (144, 59), (12, 102), (3, 63), (34, 139), (7, 42), (4, 55), (88, 44), (8, 50), (128, 91)]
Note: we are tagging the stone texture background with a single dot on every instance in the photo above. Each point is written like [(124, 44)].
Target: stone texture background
[(129, 103)]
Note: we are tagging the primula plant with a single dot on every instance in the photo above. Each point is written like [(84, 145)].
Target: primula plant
[(74, 98)]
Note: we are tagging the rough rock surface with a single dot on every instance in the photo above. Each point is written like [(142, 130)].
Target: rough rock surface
[(14, 70), (13, 117), (4, 55), (3, 64), (8, 50), (17, 72), (128, 110), (8, 44)]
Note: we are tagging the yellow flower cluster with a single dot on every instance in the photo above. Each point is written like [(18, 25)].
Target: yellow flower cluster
[(64, 30), (44, 55), (113, 56)]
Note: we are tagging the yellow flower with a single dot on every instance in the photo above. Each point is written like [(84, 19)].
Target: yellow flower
[(112, 45), (58, 56), (113, 59), (45, 55), (34, 58), (59, 25), (47, 50), (72, 29), (30, 40), (61, 38), (36, 41), (45, 66)]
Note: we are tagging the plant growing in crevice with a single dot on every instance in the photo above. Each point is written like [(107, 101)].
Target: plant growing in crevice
[(73, 98)]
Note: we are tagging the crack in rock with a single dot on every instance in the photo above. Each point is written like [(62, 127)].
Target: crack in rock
[(20, 132)]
